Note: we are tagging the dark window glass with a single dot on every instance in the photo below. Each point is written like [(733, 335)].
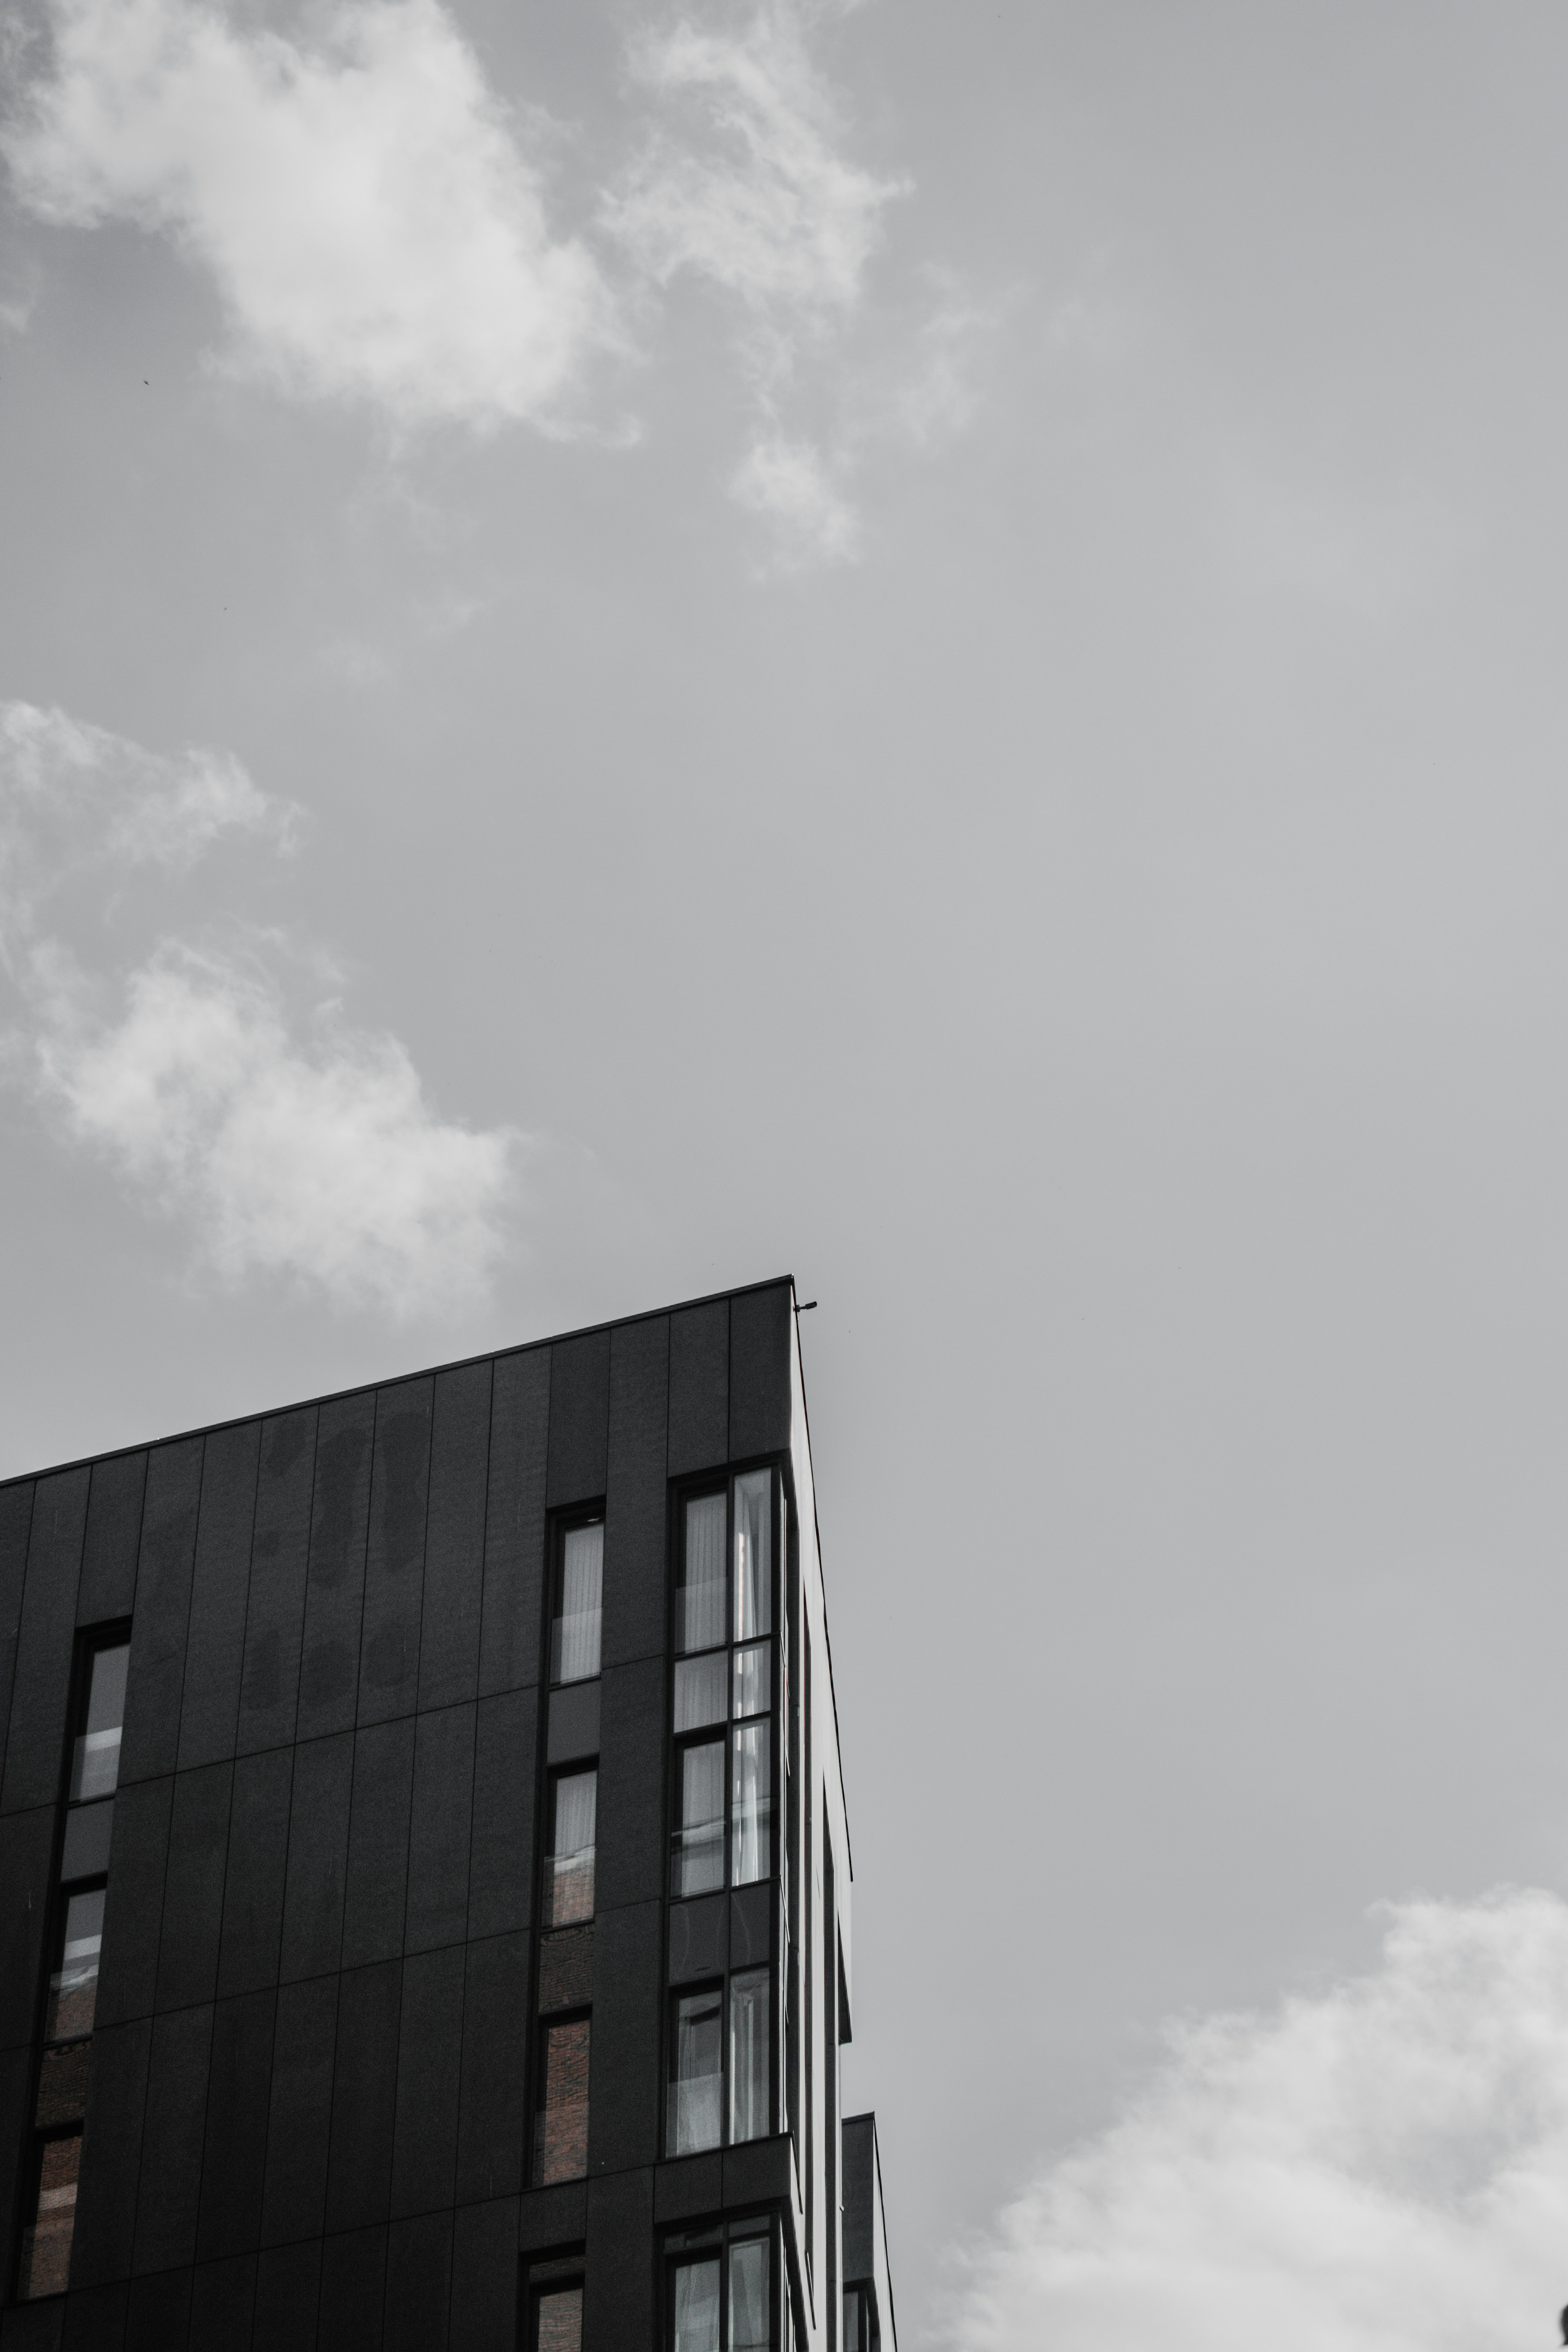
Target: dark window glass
[(854, 2320), (697, 2073), (578, 1619), (560, 2133), (73, 1987), (750, 2002), (95, 1759), (568, 1870), (697, 2306), (751, 1800), (46, 2240), (697, 1863), (560, 2326), (701, 1598), (753, 1555)]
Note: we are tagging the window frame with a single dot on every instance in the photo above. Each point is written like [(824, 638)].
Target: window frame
[(698, 2243), (726, 1728), (562, 1523)]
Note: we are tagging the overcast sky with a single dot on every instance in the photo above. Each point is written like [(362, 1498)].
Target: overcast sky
[(922, 645)]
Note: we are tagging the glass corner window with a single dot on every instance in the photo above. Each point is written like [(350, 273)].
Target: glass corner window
[(754, 1554), (723, 2297), (701, 1591), (577, 1618)]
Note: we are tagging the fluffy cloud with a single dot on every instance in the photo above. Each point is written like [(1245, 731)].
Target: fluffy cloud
[(321, 1160), (1379, 2168), (764, 206), (306, 1151), (372, 226)]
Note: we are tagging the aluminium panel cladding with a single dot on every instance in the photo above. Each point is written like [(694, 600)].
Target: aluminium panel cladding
[(308, 2111)]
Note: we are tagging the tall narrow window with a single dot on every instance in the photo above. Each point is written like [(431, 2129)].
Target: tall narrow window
[(697, 2073), (750, 2004), (73, 1987), (698, 1861), (700, 1614), (698, 2306), (754, 1554), (752, 1802), (751, 2328), (95, 1757), (568, 1870), (578, 1619), (46, 2240), (561, 2128)]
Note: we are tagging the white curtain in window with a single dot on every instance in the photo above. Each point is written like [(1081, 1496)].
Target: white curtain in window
[(697, 2090), (750, 1999), (699, 1694), (749, 2296), (754, 1554), (571, 1871), (697, 2306), (582, 1590), (751, 1801), (701, 1611)]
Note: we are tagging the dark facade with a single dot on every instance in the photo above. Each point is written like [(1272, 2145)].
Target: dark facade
[(424, 1871)]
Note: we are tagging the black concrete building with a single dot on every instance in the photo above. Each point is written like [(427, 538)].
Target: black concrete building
[(424, 1871)]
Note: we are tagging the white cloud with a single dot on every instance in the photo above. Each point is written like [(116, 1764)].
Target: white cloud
[(1379, 2168), (767, 208), (753, 195), (372, 226), (787, 484), (320, 1161), (312, 1154), (72, 794)]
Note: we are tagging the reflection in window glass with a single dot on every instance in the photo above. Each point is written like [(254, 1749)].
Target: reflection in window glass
[(569, 1871), (751, 1801), (561, 2320), (700, 1691), (46, 2241), (854, 2320), (576, 1630), (748, 2008), (753, 1679), (698, 1861), (95, 1759), (697, 2306), (699, 1602), (561, 2134), (696, 2081), (753, 1555), (749, 2298), (73, 1988)]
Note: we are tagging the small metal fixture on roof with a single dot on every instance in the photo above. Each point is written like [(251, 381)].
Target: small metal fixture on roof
[(804, 1307)]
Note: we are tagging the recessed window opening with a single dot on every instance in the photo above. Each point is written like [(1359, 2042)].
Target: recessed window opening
[(577, 1620), (560, 2125), (47, 2239), (73, 1986)]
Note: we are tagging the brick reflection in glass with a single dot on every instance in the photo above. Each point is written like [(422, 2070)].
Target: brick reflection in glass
[(73, 1988), (47, 2241), (569, 1872), (561, 2320), (561, 2134)]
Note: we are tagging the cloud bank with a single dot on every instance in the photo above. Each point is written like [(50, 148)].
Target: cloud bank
[(1381, 2168), (372, 223), (305, 1151)]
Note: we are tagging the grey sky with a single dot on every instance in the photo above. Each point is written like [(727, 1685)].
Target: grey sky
[(973, 711)]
